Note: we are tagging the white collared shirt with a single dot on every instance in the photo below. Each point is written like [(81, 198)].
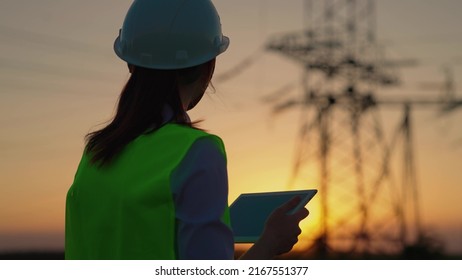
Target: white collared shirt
[(200, 194)]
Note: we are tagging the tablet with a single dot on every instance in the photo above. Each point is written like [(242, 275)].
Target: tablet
[(249, 212)]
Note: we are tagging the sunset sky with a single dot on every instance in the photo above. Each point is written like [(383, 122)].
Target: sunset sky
[(59, 79)]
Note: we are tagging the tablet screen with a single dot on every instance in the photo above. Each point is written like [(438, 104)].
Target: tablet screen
[(250, 211)]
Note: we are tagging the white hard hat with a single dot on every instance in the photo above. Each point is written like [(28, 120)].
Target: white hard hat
[(170, 34)]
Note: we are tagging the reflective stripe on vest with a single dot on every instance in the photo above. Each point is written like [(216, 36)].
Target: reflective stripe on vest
[(125, 210)]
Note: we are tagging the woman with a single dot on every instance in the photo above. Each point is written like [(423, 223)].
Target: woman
[(149, 184)]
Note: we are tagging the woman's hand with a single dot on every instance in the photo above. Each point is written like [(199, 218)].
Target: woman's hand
[(280, 234)]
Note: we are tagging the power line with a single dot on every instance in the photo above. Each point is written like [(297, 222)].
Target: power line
[(49, 41), (55, 71)]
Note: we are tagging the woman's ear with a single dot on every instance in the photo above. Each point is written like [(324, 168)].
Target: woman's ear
[(207, 72), (131, 68), (211, 67)]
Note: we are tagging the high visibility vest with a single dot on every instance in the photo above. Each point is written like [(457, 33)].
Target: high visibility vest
[(125, 210)]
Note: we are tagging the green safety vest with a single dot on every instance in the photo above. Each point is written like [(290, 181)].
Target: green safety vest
[(125, 210)]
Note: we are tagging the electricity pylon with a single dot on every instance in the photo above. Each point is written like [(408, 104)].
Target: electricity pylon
[(363, 208)]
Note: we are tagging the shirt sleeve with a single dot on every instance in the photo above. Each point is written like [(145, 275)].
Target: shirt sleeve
[(200, 194)]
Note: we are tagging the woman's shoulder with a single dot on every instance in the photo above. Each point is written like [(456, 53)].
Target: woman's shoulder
[(180, 136), (198, 139), (184, 129), (188, 132)]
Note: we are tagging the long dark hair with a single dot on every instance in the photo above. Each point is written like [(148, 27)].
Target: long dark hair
[(140, 108)]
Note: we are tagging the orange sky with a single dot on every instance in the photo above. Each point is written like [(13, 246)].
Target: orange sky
[(59, 79)]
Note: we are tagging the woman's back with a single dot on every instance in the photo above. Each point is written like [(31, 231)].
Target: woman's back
[(125, 210)]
